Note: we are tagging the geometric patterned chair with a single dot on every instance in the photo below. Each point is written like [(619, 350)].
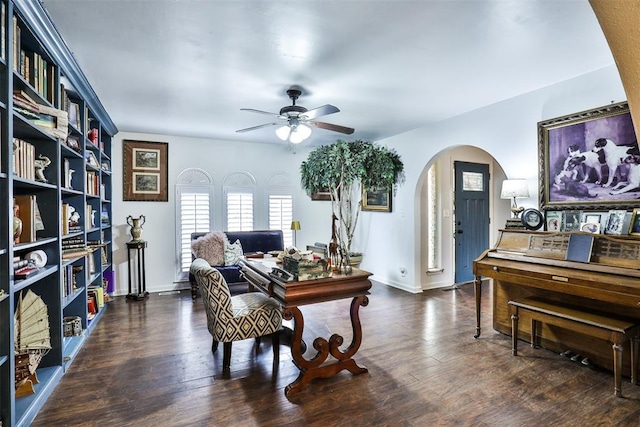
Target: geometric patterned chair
[(235, 318)]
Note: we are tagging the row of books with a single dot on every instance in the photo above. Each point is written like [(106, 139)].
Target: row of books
[(29, 213), (69, 282), (35, 69), (92, 183), (24, 156)]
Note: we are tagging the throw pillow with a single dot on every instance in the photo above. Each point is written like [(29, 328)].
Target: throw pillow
[(210, 247), (232, 252)]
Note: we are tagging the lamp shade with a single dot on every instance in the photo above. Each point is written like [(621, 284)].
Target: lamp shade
[(512, 188), (295, 225)]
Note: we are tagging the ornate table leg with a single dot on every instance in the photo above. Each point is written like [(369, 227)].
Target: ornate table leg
[(477, 285), (315, 367)]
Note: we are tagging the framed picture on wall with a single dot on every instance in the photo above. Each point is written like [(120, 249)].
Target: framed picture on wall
[(579, 160), (145, 167), (376, 199)]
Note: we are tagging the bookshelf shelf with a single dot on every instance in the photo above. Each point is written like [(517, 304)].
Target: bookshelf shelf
[(38, 151), (71, 298)]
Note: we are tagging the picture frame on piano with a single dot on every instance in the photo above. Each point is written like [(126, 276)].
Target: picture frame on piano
[(634, 229), (571, 175)]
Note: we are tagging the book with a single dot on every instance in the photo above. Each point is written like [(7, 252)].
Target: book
[(25, 272), (26, 213)]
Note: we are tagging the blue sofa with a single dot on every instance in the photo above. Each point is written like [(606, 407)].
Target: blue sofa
[(252, 242)]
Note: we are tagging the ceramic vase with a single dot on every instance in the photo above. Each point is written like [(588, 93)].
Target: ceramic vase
[(136, 227)]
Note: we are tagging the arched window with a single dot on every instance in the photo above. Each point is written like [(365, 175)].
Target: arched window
[(194, 207), (239, 196), (432, 219)]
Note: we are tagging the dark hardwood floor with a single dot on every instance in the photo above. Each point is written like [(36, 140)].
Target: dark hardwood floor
[(150, 364)]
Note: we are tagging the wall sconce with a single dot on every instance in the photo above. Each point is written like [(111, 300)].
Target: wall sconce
[(512, 189), (295, 226)]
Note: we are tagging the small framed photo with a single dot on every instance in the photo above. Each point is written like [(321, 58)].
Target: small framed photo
[(572, 220), (554, 220), (591, 217), (634, 229), (376, 199), (615, 222), (590, 227)]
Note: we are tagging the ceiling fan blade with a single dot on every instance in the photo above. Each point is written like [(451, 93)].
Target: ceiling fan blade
[(259, 112), (257, 127), (330, 126), (320, 111)]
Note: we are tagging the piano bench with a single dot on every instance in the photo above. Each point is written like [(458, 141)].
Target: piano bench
[(611, 329)]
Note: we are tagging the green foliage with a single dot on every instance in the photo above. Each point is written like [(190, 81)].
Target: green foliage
[(342, 164)]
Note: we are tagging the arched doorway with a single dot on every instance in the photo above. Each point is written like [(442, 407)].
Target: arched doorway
[(437, 214)]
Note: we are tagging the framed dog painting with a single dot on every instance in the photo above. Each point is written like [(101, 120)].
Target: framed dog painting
[(589, 160)]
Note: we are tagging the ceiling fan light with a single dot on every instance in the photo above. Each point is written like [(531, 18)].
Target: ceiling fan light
[(304, 131), (296, 138), (283, 132)]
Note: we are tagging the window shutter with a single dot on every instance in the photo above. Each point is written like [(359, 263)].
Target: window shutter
[(281, 215), (239, 211), (194, 217)]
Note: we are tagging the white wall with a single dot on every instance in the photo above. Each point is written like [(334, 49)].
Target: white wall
[(507, 131)]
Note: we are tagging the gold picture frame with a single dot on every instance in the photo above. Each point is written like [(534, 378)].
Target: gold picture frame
[(376, 199), (145, 167)]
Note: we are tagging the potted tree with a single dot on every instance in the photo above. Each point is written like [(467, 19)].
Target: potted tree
[(344, 169)]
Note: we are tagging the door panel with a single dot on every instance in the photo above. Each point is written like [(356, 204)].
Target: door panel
[(471, 215)]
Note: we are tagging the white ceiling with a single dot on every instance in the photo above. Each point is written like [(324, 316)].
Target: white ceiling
[(186, 67)]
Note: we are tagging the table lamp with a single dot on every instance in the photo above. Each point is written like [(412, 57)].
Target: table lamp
[(295, 226), (512, 189)]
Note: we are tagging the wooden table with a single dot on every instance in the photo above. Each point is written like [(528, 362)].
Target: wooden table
[(291, 295)]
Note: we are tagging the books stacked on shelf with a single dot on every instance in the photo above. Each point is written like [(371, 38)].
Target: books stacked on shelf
[(29, 214), (25, 272), (98, 292), (23, 268), (24, 156), (93, 183), (69, 283), (50, 120), (74, 247)]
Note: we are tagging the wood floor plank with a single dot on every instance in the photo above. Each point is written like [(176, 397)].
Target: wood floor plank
[(149, 363)]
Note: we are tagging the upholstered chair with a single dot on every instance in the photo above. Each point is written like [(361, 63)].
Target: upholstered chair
[(235, 318)]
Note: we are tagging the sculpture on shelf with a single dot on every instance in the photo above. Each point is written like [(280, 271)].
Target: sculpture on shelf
[(40, 165), (136, 227)]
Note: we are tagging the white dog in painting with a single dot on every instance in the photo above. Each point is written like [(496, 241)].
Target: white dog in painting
[(633, 178), (614, 155)]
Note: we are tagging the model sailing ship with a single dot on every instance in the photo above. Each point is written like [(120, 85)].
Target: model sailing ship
[(32, 340)]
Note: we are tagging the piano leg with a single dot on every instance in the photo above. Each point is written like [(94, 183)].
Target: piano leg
[(617, 369), (477, 285), (514, 332), (634, 359)]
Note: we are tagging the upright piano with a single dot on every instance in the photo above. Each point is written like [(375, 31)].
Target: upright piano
[(526, 264)]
